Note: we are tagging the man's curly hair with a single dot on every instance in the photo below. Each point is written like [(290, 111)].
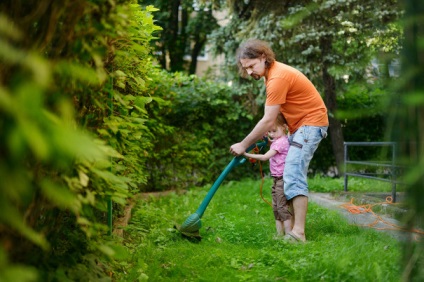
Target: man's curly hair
[(253, 49)]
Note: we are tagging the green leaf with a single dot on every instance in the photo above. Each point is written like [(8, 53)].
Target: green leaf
[(120, 73), (8, 29), (151, 8), (35, 138), (13, 273), (83, 221), (106, 250), (142, 101), (59, 195), (79, 72), (75, 143)]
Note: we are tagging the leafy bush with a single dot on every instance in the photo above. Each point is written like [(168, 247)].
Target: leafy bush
[(194, 122)]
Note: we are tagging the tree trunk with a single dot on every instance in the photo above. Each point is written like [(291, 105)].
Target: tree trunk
[(330, 98), (177, 38), (198, 45)]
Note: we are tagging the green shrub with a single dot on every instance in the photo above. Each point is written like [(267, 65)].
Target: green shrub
[(194, 122)]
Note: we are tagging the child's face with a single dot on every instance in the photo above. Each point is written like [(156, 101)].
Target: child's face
[(275, 133)]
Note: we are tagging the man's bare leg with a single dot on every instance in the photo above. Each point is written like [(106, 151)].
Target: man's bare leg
[(292, 213), (300, 207)]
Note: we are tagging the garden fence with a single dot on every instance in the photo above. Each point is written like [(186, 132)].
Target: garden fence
[(381, 169)]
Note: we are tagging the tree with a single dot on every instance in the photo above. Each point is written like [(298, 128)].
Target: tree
[(185, 24), (201, 24), (328, 40)]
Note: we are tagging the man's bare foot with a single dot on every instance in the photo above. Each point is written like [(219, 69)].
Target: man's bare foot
[(290, 236)]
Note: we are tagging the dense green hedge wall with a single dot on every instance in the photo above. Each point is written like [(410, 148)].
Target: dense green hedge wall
[(72, 132)]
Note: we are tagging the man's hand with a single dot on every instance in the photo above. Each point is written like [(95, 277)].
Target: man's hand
[(237, 149)]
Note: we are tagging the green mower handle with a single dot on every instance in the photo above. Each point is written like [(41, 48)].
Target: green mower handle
[(234, 162)]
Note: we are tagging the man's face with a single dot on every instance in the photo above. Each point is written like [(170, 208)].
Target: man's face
[(254, 67)]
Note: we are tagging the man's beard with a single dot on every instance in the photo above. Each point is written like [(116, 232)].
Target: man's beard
[(255, 76)]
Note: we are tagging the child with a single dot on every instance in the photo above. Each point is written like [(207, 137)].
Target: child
[(277, 156)]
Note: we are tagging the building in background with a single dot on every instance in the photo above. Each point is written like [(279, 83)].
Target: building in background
[(206, 63)]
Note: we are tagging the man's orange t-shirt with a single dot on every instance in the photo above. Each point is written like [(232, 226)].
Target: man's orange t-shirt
[(301, 103)]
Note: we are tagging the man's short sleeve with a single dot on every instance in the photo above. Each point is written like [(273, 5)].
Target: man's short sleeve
[(276, 91)]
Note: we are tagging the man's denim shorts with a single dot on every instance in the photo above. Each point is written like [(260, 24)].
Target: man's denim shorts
[(303, 144)]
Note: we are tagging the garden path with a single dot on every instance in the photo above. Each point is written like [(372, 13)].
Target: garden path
[(362, 210)]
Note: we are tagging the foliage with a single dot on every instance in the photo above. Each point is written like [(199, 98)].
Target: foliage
[(359, 105), (186, 25), (332, 42), (238, 245), (296, 31), (191, 140), (71, 127), (406, 127)]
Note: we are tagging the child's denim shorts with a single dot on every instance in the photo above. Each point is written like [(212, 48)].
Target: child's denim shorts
[(303, 144)]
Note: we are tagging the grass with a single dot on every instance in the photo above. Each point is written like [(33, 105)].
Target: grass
[(237, 242), (355, 184)]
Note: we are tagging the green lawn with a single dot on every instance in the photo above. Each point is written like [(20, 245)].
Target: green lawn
[(355, 184), (237, 242)]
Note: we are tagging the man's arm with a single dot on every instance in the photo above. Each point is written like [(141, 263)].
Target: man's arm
[(263, 126)]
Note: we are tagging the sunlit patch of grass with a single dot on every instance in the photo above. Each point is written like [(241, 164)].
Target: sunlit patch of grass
[(355, 184), (237, 242)]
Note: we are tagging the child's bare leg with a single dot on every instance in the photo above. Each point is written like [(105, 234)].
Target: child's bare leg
[(283, 226), (287, 225), (280, 227)]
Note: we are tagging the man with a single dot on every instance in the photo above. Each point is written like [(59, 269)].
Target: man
[(290, 92)]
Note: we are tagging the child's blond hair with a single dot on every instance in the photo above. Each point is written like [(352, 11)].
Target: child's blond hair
[(282, 122)]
